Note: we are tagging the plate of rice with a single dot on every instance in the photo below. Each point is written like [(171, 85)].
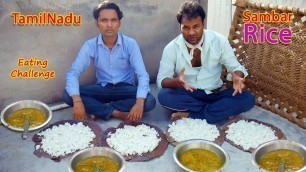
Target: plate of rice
[(63, 138), (187, 128), (248, 134), (136, 141)]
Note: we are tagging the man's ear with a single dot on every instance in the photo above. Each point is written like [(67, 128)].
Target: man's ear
[(96, 21)]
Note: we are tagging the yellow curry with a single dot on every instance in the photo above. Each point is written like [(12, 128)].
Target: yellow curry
[(272, 160), (97, 164), (201, 160), (19, 117)]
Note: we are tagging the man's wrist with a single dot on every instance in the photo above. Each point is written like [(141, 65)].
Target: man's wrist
[(140, 99), (239, 73), (76, 98), (77, 101), (177, 82)]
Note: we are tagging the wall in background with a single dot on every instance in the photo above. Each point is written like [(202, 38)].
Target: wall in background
[(151, 22)]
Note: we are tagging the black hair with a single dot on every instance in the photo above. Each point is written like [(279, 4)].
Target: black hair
[(190, 10), (107, 5)]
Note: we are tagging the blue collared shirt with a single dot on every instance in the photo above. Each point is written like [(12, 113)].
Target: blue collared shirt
[(112, 66)]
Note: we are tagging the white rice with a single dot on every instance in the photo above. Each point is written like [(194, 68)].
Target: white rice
[(132, 140), (249, 134), (187, 128), (64, 139)]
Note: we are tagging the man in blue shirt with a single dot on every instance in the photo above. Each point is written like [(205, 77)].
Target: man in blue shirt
[(190, 72), (117, 59)]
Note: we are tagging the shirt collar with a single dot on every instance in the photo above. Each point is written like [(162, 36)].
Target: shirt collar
[(181, 41), (118, 42)]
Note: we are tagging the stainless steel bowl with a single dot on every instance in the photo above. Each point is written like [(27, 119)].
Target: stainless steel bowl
[(277, 144), (97, 151), (199, 144), (25, 104)]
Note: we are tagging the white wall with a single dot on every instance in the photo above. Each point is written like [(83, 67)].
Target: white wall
[(218, 16)]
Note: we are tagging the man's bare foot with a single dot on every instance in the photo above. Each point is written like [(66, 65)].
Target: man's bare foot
[(93, 117), (231, 117), (120, 115), (179, 115)]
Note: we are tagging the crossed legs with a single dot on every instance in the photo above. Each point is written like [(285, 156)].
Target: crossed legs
[(212, 107), (111, 100)]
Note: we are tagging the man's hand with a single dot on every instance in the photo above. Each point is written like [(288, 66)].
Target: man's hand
[(78, 108), (180, 81), (137, 110), (238, 83), (79, 111)]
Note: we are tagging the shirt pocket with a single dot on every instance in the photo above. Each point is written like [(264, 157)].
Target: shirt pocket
[(123, 62)]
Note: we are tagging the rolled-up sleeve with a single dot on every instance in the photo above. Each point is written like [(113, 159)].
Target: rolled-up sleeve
[(140, 70), (230, 61), (79, 65), (167, 65)]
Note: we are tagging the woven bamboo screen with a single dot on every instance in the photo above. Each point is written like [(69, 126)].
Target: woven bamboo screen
[(277, 73)]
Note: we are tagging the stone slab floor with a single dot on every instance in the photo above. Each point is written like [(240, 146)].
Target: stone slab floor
[(16, 155)]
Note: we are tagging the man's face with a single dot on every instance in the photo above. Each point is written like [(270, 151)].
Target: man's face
[(108, 23), (192, 29)]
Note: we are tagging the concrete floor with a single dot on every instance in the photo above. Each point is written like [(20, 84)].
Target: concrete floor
[(16, 155)]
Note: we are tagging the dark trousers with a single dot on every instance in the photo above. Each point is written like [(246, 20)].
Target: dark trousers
[(213, 107), (101, 101)]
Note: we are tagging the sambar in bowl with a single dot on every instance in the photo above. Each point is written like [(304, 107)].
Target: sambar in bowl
[(200, 155), (97, 159), (280, 155), (15, 115)]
